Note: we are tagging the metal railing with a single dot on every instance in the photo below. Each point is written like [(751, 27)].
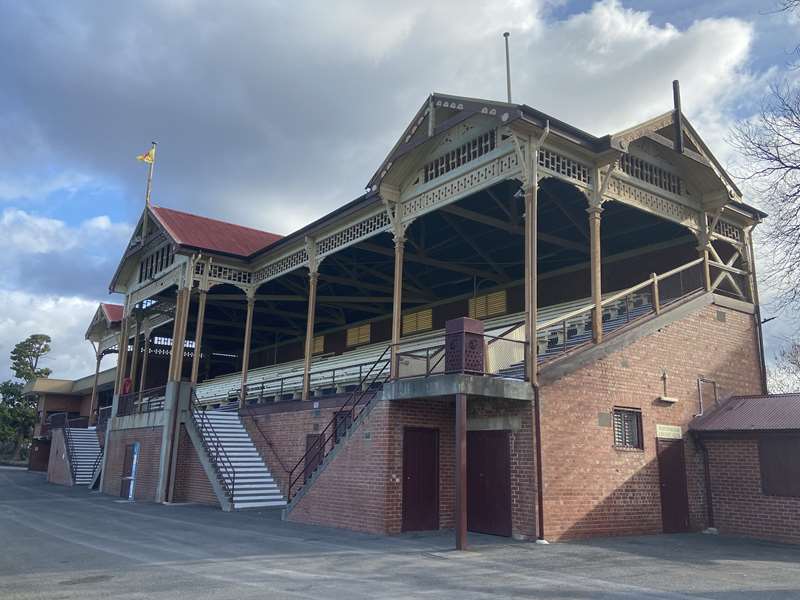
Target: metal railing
[(68, 443), (350, 410), (249, 412), (103, 415), (215, 450), (97, 462), (567, 332), (279, 387), (145, 401)]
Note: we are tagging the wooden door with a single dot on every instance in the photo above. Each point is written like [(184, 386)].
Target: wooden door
[(489, 482), (127, 473), (420, 479), (674, 495), (313, 453)]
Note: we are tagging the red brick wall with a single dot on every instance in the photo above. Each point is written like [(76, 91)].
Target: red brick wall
[(149, 439), (740, 507), (591, 488), (191, 482)]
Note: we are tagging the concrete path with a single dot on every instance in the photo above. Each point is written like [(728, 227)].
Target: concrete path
[(71, 543)]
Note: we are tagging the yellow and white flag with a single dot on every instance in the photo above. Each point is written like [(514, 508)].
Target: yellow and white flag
[(148, 156)]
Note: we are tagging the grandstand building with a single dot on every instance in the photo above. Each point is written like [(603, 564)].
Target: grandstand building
[(508, 332)]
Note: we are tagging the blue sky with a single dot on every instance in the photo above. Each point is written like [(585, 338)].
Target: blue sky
[(271, 115)]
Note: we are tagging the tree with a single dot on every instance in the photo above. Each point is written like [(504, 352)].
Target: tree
[(784, 375), (17, 418), (26, 355)]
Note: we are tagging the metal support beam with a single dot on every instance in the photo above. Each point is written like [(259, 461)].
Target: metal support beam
[(135, 357), (179, 334), (143, 377), (596, 271), (198, 334), (93, 401), (248, 331), (397, 301), (461, 472)]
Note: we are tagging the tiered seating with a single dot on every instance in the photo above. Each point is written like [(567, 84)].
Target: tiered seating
[(341, 373)]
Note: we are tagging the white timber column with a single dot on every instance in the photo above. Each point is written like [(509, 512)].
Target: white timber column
[(596, 267), (145, 355), (179, 333), (98, 358), (248, 331), (311, 315), (531, 188), (122, 354), (198, 333), (135, 357), (394, 208)]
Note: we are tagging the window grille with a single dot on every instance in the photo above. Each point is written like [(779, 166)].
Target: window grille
[(488, 305), (421, 320), (628, 428), (358, 335)]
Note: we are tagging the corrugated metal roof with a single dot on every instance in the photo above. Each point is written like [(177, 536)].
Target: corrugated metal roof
[(212, 235), (113, 312), (752, 413)]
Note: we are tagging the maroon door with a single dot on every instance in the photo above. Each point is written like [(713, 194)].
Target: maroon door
[(489, 482), (420, 479), (674, 496), (313, 453)]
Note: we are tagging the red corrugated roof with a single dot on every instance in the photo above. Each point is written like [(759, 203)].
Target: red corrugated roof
[(113, 311), (212, 235), (752, 413)]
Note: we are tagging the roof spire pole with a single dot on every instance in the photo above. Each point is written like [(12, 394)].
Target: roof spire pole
[(508, 68), (677, 119), (148, 157)]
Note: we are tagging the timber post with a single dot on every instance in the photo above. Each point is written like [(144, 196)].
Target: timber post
[(248, 332), (311, 314), (198, 333)]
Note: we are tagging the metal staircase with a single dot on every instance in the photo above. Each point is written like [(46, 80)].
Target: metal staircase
[(83, 450), (245, 478)]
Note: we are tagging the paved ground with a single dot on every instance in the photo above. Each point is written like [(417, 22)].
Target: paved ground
[(70, 543)]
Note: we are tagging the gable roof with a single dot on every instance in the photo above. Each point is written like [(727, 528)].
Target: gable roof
[(113, 312), (212, 235), (769, 412)]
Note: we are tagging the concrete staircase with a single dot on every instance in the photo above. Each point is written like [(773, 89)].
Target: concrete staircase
[(84, 449), (251, 480)]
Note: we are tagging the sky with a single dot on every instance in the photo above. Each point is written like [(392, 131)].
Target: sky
[(271, 114)]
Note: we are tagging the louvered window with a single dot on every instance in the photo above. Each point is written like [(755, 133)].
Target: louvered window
[(627, 428), (488, 305), (358, 335), (421, 320), (318, 344)]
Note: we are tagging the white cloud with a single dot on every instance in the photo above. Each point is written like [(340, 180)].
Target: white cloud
[(65, 319)]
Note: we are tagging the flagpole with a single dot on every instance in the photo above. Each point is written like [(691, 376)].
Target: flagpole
[(147, 190)]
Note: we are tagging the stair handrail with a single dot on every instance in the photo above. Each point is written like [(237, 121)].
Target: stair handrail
[(329, 431), (215, 451), (97, 462), (251, 413)]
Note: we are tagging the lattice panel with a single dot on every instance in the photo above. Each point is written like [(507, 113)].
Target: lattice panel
[(653, 203), (465, 153), (566, 167), (652, 174), (480, 177), (353, 233), (284, 265), (223, 273), (728, 230)]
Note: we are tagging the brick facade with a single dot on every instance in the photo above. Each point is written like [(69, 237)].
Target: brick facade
[(147, 474), (740, 506), (593, 488), (191, 482)]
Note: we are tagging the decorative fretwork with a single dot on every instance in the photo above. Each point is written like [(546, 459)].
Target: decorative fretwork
[(465, 153), (499, 168), (652, 174), (155, 262), (652, 203), (279, 267), (564, 166), (224, 273), (728, 230), (353, 233)]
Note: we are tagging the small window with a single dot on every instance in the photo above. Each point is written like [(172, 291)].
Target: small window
[(318, 344), (628, 428), (421, 320), (780, 467), (358, 335), (488, 305)]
